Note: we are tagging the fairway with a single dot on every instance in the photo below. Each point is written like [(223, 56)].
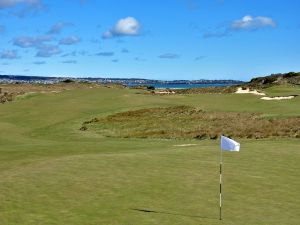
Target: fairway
[(51, 172)]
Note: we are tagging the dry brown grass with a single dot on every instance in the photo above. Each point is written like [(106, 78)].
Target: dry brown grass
[(208, 90), (190, 122), (27, 87), (8, 92)]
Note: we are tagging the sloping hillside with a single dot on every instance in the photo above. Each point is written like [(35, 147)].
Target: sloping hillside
[(276, 79)]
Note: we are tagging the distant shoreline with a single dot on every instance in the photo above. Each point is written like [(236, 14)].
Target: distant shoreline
[(185, 86), (131, 82)]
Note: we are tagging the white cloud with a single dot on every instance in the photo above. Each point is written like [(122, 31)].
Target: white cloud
[(128, 26), (26, 6), (74, 54), (9, 54), (24, 42), (69, 62), (58, 27), (38, 43), (12, 3), (70, 40), (169, 56), (107, 34), (125, 50), (249, 22), (48, 51), (106, 54), (31, 42)]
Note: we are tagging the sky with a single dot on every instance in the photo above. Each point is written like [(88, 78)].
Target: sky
[(157, 39)]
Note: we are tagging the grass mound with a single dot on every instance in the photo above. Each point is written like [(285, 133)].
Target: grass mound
[(208, 90), (191, 122), (276, 79)]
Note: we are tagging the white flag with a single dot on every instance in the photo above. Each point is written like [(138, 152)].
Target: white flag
[(228, 144)]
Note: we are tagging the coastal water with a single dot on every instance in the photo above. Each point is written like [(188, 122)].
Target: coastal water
[(185, 86)]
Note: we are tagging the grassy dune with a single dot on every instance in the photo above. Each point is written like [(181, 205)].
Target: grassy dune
[(191, 122), (53, 173)]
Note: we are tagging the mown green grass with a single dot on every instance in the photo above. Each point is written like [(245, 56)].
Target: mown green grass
[(53, 173), (283, 90)]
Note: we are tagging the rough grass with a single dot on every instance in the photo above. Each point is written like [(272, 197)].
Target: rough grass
[(27, 87), (192, 122), (208, 90)]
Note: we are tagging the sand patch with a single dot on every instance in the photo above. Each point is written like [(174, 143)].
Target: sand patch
[(278, 98), (247, 91), (164, 92)]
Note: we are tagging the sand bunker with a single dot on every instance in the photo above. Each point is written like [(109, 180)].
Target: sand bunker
[(278, 98), (247, 91), (255, 92), (165, 92)]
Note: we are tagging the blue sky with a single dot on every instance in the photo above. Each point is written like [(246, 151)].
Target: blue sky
[(169, 39)]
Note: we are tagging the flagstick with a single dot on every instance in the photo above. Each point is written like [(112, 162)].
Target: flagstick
[(227, 144), (221, 160)]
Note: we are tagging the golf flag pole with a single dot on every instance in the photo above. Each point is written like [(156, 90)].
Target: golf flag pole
[(221, 159), (227, 144)]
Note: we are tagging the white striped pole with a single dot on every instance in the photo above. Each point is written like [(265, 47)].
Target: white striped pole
[(221, 160)]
